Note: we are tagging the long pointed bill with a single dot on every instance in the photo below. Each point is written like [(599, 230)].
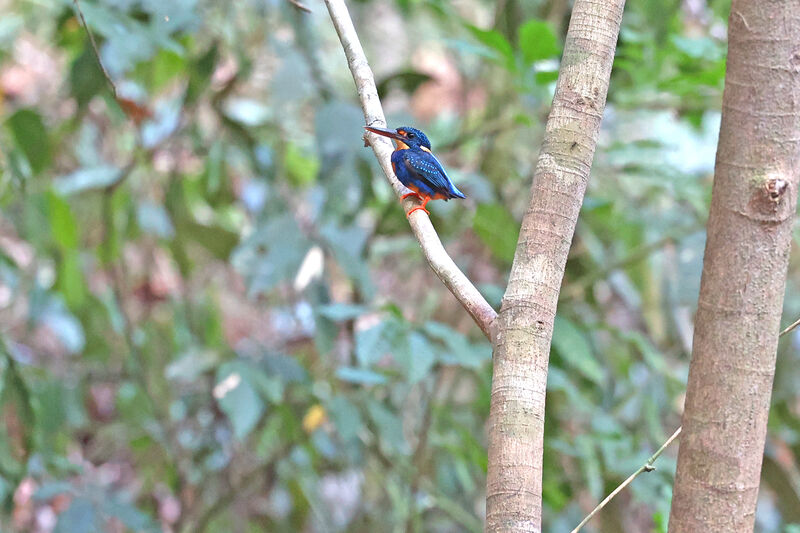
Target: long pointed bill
[(392, 134)]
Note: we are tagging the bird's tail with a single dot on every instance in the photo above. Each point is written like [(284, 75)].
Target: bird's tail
[(455, 193)]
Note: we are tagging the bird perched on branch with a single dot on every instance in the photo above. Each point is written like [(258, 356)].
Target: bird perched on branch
[(417, 168)]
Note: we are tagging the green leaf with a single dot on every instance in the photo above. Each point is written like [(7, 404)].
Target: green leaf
[(347, 120), (128, 514), (389, 428), (247, 112), (6, 488), (70, 279), (407, 80), (498, 230), (651, 355), (217, 240), (85, 77), (30, 134), (64, 325), (271, 254), (347, 244), (285, 367), (459, 351), (457, 512), (84, 179), (573, 347), (341, 312), (372, 344), (62, 222), (361, 376), (543, 77), (496, 42), (50, 490), (80, 517), (537, 41), (346, 417), (590, 463), (200, 74), (154, 219), (301, 166), (238, 398), (698, 48), (191, 365), (164, 67), (559, 380), (417, 358), (15, 398)]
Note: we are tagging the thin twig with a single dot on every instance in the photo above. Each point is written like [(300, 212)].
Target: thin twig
[(94, 47), (790, 328), (300, 6), (438, 259), (647, 467)]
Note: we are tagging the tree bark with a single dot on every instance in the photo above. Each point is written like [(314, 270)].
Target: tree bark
[(525, 324), (744, 272)]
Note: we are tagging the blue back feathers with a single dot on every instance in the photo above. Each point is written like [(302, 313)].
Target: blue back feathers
[(418, 169)]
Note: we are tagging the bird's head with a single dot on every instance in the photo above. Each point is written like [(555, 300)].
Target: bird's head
[(405, 137)]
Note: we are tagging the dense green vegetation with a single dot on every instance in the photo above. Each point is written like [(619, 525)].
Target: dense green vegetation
[(213, 316)]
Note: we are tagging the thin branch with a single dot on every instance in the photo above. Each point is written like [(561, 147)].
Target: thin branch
[(790, 328), (300, 6), (647, 467), (438, 259), (94, 47)]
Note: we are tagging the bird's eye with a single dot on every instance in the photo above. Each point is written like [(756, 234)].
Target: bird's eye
[(411, 135)]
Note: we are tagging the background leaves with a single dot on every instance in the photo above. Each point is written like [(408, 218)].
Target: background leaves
[(213, 315)]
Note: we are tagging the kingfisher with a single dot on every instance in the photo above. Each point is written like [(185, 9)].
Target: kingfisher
[(417, 168)]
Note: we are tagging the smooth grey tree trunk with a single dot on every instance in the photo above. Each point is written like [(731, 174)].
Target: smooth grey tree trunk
[(744, 273)]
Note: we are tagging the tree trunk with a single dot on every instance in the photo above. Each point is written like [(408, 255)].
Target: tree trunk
[(525, 324), (744, 272)]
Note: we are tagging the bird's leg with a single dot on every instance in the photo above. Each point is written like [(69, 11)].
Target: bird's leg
[(422, 207), (411, 194)]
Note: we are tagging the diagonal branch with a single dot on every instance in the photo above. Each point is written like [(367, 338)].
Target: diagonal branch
[(438, 259), (107, 76), (646, 467), (790, 328)]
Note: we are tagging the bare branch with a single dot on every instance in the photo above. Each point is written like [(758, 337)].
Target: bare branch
[(646, 467), (438, 259), (791, 327), (300, 6), (111, 84)]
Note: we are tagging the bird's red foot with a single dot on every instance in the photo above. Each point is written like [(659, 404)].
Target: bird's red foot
[(419, 207), (424, 203), (411, 194)]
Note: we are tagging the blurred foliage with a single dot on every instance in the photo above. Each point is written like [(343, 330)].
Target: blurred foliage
[(214, 317)]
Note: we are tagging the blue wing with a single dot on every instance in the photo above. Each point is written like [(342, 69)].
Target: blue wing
[(425, 167)]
